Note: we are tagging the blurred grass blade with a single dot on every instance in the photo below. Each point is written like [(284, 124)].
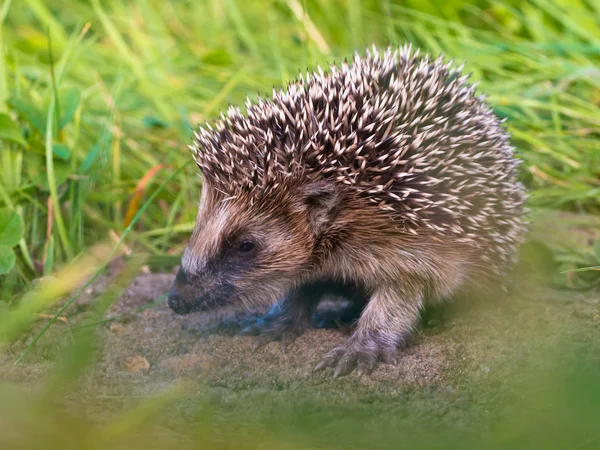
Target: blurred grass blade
[(47, 18), (129, 422), (56, 207), (118, 41), (312, 31), (10, 131), (583, 269), (51, 290), (3, 73), (133, 206)]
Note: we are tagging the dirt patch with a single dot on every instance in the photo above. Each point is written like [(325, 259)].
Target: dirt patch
[(181, 347), (461, 369), (143, 338)]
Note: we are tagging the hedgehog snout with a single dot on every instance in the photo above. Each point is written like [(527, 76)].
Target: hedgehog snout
[(178, 294), (177, 303), (189, 294)]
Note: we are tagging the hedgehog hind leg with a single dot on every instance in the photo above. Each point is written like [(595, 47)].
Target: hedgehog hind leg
[(386, 323)]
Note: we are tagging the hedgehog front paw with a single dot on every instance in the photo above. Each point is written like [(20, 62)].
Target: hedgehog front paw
[(269, 329), (362, 354)]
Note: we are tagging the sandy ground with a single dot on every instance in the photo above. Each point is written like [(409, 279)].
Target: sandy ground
[(456, 369), (144, 340)]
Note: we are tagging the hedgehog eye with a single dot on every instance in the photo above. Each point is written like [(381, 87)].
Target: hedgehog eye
[(246, 246)]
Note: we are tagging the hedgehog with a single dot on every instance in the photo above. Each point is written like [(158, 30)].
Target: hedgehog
[(386, 175)]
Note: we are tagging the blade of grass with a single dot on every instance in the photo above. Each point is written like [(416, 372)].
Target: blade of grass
[(229, 86), (60, 224), (179, 228), (139, 191), (130, 58), (116, 166), (355, 21), (47, 18), (583, 269), (578, 23), (53, 82), (3, 75), (313, 32), (242, 29)]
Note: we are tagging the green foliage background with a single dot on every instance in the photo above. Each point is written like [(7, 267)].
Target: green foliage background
[(99, 97)]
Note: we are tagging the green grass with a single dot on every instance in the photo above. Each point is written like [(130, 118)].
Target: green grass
[(108, 92), (99, 98)]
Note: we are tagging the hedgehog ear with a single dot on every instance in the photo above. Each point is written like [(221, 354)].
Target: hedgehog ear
[(321, 201)]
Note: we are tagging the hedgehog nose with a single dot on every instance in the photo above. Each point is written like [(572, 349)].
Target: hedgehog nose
[(177, 303), (176, 300)]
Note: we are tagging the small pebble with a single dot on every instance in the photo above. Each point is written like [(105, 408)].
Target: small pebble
[(136, 364)]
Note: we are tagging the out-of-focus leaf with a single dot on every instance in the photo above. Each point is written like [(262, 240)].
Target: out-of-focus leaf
[(31, 113), (7, 259), (10, 130), (90, 159), (218, 57), (154, 122), (11, 227), (61, 151), (68, 101), (36, 171), (11, 232)]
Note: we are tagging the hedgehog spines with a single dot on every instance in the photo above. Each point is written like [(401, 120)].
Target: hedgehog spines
[(404, 131)]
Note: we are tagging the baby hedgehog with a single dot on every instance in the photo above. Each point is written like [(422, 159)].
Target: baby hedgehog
[(387, 175)]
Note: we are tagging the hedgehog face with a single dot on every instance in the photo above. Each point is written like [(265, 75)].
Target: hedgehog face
[(246, 253)]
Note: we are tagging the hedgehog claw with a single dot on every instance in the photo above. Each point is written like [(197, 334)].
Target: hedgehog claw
[(259, 343), (329, 359), (353, 355), (363, 361), (390, 356), (365, 365), (285, 334), (287, 338), (345, 366)]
